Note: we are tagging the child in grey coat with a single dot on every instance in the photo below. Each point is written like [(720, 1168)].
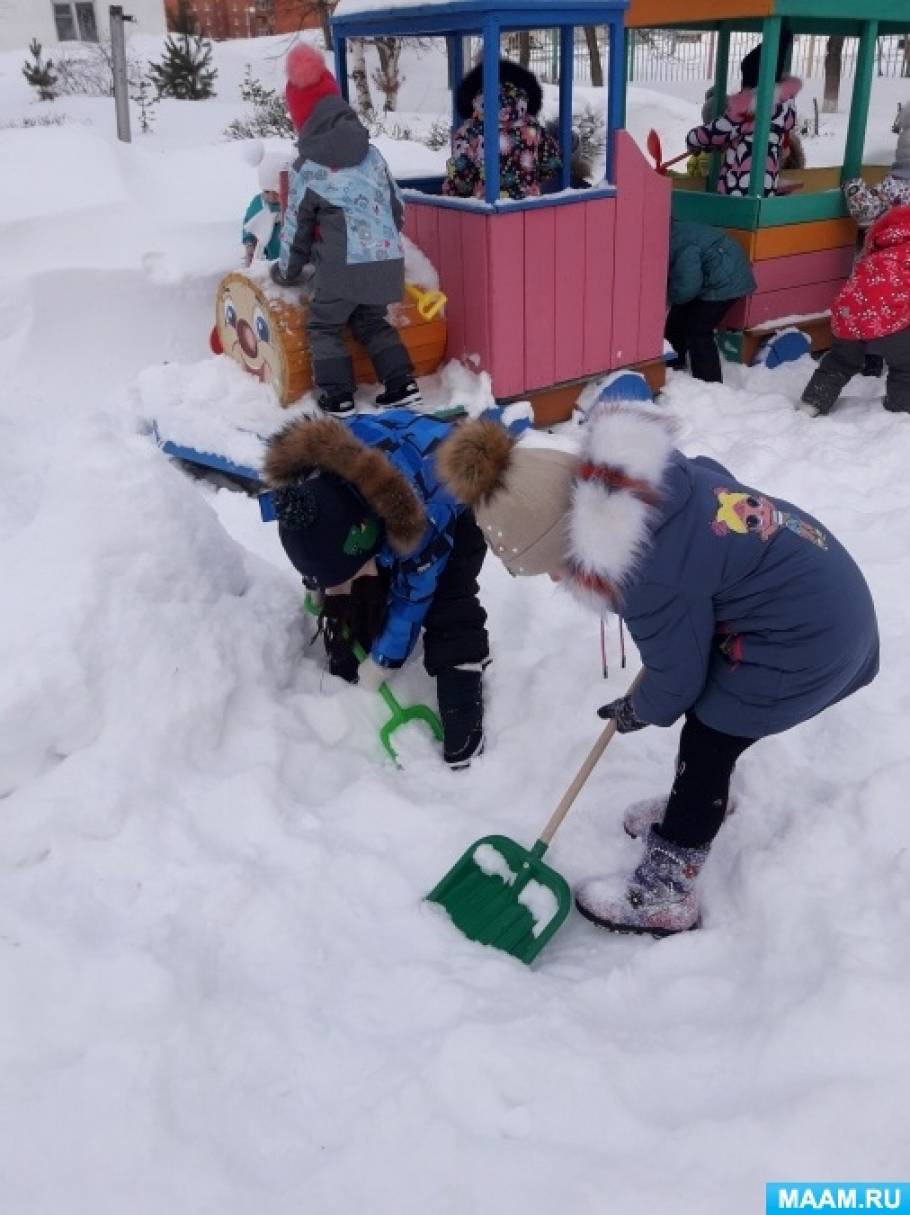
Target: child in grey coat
[(344, 215)]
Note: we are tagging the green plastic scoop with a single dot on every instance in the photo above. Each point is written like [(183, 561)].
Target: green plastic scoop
[(400, 715), (502, 894)]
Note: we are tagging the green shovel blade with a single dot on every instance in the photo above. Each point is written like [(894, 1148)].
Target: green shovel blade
[(503, 895)]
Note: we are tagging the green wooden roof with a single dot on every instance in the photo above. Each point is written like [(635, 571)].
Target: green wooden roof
[(846, 15)]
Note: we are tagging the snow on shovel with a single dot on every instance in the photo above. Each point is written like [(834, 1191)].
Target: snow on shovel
[(656, 152), (502, 894)]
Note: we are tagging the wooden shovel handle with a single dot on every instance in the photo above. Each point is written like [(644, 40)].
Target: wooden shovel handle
[(584, 771), (673, 161)]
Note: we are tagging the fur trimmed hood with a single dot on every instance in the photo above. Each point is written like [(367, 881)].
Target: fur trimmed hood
[(471, 87), (329, 446), (616, 499), (587, 518)]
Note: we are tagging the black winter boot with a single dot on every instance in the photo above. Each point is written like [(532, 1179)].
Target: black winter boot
[(822, 391), (400, 395), (336, 404), (460, 694)]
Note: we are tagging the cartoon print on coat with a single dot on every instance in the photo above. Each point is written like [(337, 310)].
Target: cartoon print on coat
[(745, 514)]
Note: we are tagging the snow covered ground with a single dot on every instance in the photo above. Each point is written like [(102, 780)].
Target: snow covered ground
[(222, 992)]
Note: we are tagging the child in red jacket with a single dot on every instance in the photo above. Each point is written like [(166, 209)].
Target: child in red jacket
[(871, 315)]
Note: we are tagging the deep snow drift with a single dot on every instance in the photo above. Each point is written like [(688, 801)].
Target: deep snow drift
[(222, 991)]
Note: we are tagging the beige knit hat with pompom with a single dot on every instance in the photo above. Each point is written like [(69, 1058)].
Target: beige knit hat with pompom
[(520, 493)]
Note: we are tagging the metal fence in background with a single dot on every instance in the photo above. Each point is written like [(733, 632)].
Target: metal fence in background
[(671, 54)]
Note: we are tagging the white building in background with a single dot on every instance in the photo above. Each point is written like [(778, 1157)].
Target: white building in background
[(53, 21)]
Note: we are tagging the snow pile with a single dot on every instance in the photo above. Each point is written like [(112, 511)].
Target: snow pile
[(222, 988)]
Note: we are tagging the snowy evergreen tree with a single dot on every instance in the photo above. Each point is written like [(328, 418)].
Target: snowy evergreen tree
[(186, 70), (40, 74), (269, 114)]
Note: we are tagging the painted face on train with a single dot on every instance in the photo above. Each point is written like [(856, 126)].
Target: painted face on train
[(245, 329)]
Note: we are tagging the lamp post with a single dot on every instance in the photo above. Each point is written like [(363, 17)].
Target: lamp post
[(116, 18), (250, 13)]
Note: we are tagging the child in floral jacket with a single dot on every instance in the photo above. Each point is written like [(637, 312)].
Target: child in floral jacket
[(868, 203), (528, 154), (733, 132)]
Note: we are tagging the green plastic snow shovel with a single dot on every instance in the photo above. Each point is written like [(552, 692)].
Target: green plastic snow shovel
[(400, 716), (502, 894)]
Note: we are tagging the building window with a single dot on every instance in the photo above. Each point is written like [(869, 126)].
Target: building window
[(66, 26), (85, 17), (75, 21)]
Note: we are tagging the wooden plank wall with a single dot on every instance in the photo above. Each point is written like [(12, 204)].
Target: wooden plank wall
[(530, 291), (798, 284), (641, 254), (455, 241)]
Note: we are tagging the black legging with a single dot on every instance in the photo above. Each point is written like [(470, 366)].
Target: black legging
[(698, 800), (690, 331)]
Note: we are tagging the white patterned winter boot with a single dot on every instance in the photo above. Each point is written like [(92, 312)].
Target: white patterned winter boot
[(660, 898)]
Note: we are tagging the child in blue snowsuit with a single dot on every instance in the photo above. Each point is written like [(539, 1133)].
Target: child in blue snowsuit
[(364, 518)]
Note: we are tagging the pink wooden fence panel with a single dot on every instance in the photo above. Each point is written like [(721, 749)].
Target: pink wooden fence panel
[(764, 306), (420, 226), (505, 254), (654, 264), (597, 284), (629, 241), (451, 274), (799, 269), (539, 297), (475, 243), (568, 290)]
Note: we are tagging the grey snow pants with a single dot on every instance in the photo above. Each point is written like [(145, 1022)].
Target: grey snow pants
[(332, 368), (845, 359)]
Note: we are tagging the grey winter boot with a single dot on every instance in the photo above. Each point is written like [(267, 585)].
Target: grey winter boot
[(822, 391), (660, 898), (649, 812)]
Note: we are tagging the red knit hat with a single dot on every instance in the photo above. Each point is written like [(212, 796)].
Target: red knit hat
[(309, 80)]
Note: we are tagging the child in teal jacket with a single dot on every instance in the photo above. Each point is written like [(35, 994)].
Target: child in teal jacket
[(262, 221), (709, 272)]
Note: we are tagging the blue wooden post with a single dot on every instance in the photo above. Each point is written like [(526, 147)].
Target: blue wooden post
[(491, 109), (616, 92), (341, 64), (566, 68), (455, 44)]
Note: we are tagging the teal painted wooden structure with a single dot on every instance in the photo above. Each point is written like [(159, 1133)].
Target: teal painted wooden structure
[(800, 270)]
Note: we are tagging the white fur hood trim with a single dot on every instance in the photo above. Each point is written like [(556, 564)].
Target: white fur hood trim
[(615, 497)]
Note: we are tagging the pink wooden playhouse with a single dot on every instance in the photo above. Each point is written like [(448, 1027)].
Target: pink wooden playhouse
[(543, 293)]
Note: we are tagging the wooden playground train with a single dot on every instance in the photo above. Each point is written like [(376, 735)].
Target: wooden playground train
[(546, 293)]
